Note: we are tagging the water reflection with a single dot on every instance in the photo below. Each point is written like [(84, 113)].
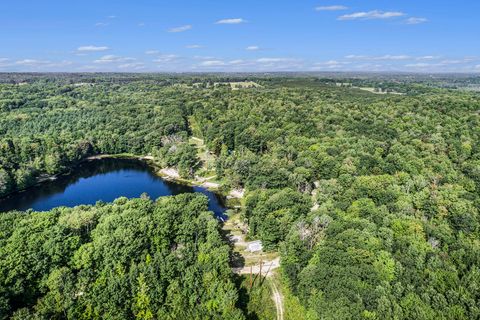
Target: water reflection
[(104, 180)]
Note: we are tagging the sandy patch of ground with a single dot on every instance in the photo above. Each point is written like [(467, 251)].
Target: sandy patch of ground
[(265, 268), (170, 173), (236, 193), (210, 185), (238, 240)]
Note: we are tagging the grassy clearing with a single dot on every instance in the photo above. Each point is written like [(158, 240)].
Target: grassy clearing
[(234, 85), (207, 159), (237, 228), (256, 301), (293, 309), (243, 85), (377, 91)]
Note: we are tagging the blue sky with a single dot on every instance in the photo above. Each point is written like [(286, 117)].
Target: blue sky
[(247, 35)]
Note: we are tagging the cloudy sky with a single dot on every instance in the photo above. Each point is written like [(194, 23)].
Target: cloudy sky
[(247, 35)]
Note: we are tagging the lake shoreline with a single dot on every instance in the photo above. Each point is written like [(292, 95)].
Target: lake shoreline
[(149, 161), (166, 173), (171, 174)]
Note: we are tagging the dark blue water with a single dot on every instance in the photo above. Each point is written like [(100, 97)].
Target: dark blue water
[(104, 180)]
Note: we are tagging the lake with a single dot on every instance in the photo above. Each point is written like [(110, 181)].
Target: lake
[(105, 180)]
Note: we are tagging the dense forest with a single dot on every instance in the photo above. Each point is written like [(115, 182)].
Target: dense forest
[(372, 199), (46, 128), (129, 259)]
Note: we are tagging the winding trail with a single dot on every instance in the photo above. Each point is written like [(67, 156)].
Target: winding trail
[(278, 299), (234, 229), (266, 269)]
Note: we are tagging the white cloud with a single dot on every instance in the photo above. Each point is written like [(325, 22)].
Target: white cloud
[(59, 64), (470, 59), (415, 20), (113, 59), (231, 21), (262, 64), (459, 65), (452, 61), (166, 58), (238, 62), (152, 52), (134, 66), (270, 60), (101, 24), (393, 57), (252, 48), (242, 63), (92, 48), (107, 59), (379, 58), (428, 58), (204, 58), (477, 67), (331, 63), (420, 65), (87, 68), (354, 56), (180, 29), (369, 67), (111, 17), (375, 14), (32, 62), (279, 64), (212, 63), (331, 8), (194, 46), (141, 24)]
